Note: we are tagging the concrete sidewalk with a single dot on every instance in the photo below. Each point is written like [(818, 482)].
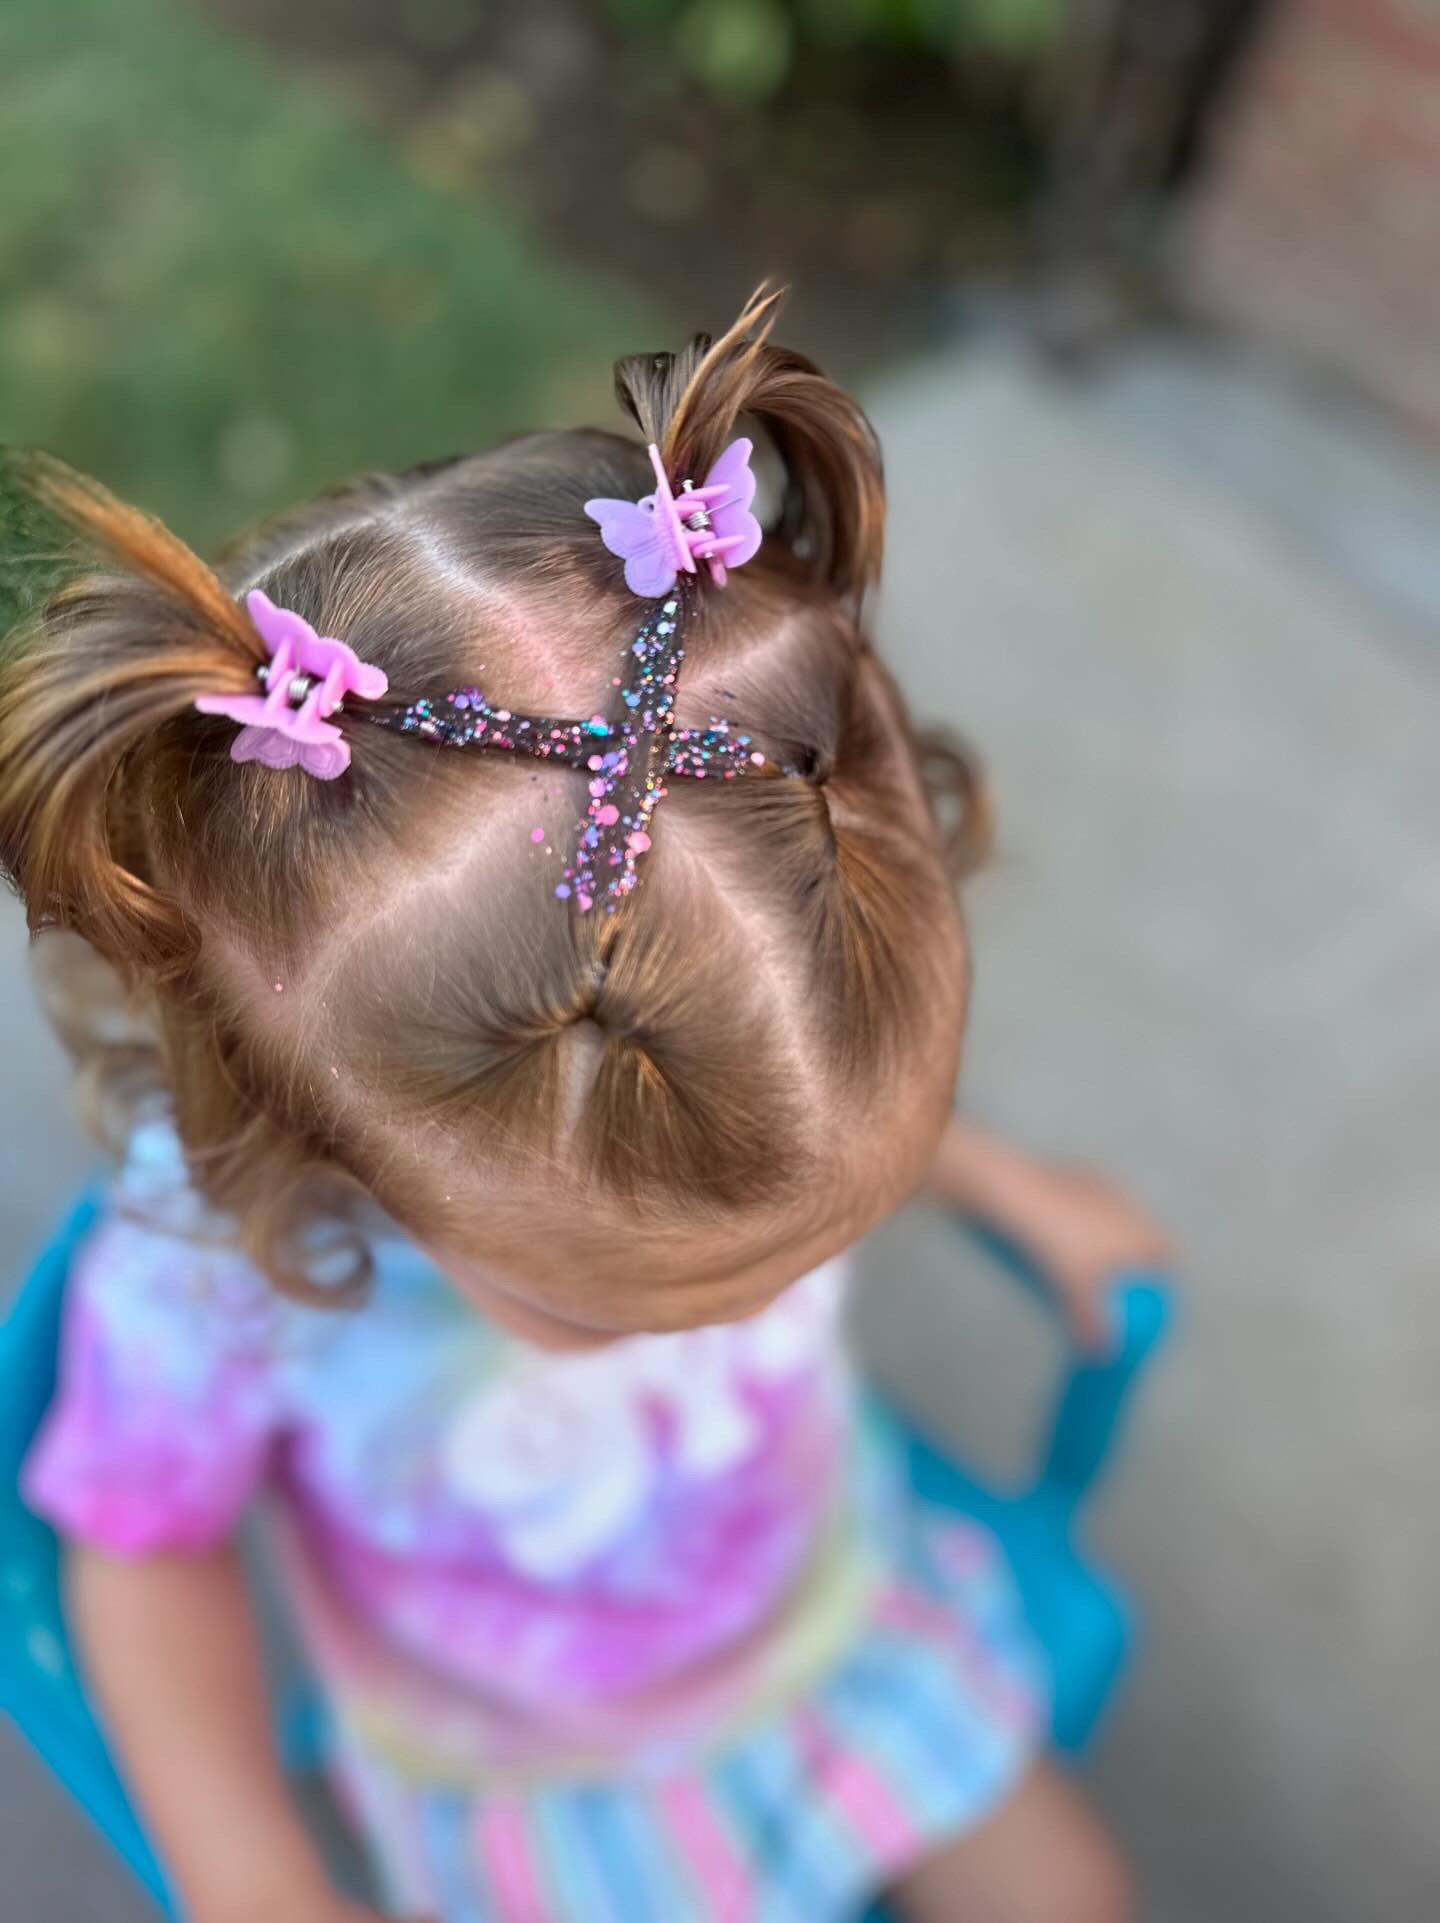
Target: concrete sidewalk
[(1208, 958)]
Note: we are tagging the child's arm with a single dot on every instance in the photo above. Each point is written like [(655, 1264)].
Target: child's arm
[(170, 1647), (1079, 1231)]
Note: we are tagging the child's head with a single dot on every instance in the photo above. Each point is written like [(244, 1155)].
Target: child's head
[(608, 1122)]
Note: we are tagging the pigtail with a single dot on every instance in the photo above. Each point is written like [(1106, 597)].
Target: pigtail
[(961, 800), (689, 404), (91, 695)]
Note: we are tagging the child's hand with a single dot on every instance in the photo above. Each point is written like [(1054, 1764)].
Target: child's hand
[(1079, 1230)]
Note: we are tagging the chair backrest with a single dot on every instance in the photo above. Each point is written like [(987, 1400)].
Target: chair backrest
[(1080, 1617)]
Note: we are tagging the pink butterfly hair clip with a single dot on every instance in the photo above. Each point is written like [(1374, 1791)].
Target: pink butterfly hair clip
[(665, 534), (308, 677)]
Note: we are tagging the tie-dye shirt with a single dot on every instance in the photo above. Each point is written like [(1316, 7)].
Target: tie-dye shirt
[(546, 1529)]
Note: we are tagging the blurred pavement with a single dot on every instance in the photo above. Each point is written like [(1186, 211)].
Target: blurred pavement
[(1207, 962)]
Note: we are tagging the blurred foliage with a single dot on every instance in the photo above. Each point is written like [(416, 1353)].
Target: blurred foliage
[(218, 295), (748, 49), (34, 549), (872, 157)]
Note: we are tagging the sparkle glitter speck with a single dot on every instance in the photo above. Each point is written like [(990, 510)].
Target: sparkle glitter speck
[(537, 834)]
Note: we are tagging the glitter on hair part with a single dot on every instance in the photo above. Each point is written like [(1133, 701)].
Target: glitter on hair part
[(628, 758)]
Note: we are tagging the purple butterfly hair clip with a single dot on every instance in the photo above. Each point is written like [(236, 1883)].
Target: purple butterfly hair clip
[(664, 534), (306, 680)]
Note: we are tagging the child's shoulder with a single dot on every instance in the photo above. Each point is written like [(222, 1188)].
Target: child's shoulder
[(152, 1187), (160, 1273), (160, 1249)]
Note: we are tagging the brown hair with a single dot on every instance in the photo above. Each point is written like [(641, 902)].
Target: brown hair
[(369, 982)]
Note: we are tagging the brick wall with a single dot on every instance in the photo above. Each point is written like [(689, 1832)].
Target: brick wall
[(1318, 222)]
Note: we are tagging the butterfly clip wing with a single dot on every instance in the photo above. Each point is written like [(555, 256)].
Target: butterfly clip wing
[(632, 531)]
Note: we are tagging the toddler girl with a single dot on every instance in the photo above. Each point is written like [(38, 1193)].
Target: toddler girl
[(543, 964)]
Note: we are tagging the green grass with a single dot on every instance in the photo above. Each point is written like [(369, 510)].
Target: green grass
[(218, 294)]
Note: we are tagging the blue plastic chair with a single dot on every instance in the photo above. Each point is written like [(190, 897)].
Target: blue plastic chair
[(1080, 1618)]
